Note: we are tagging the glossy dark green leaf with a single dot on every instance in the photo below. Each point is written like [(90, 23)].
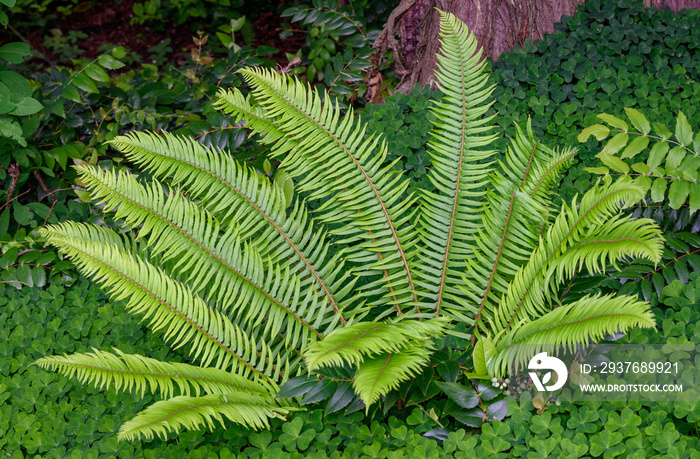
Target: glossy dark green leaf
[(298, 386), (464, 396), (341, 398)]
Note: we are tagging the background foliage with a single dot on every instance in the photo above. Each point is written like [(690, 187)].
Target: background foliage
[(84, 421)]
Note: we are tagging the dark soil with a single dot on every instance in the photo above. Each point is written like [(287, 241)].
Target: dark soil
[(107, 22)]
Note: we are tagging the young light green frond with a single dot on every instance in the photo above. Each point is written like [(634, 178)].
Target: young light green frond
[(564, 328), (164, 303), (353, 343), (526, 295), (329, 146), (243, 284), (243, 200), (460, 157), (545, 175), (380, 374), (135, 373), (606, 244), (191, 413), (534, 166)]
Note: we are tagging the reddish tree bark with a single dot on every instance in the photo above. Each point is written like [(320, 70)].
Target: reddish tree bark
[(412, 30)]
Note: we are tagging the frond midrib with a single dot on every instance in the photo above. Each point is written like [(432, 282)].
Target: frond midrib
[(546, 174), (455, 198), (149, 373), (498, 257), (193, 407)]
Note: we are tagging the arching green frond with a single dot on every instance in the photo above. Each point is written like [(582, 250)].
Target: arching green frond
[(365, 201), (136, 373), (164, 303), (526, 295), (545, 175), (238, 195), (460, 166), (590, 318), (232, 272), (233, 102), (606, 244), (191, 413), (380, 374), (353, 343)]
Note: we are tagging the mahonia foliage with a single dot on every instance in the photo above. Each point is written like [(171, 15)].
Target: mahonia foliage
[(261, 289)]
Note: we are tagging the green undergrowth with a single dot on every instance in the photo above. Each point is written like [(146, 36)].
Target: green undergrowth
[(606, 57), (43, 414)]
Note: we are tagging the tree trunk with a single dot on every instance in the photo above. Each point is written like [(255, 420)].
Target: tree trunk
[(412, 30)]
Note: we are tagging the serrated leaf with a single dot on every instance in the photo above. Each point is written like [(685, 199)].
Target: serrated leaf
[(678, 193), (694, 193), (657, 155), (597, 170), (83, 82), (675, 157), (614, 163), (662, 130), (110, 62), (615, 144)]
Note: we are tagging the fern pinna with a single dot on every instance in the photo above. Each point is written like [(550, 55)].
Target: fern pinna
[(261, 289)]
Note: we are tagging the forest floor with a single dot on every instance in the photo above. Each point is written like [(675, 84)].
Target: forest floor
[(111, 23)]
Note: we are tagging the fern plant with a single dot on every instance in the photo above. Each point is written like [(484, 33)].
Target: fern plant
[(260, 289)]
